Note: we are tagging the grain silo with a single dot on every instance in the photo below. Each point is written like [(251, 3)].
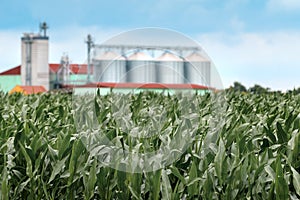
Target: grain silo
[(170, 69), (197, 69), (35, 60), (63, 73), (109, 67), (141, 68)]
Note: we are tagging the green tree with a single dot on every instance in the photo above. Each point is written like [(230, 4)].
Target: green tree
[(294, 91), (238, 87), (257, 89)]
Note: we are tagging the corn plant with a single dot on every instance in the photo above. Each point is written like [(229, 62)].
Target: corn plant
[(248, 149)]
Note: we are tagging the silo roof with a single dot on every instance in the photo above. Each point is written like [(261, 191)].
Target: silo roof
[(196, 57), (109, 55), (139, 56), (168, 57)]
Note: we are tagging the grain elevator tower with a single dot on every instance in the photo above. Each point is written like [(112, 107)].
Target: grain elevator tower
[(35, 58)]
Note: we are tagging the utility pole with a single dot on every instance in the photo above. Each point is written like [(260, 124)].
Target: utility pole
[(90, 44)]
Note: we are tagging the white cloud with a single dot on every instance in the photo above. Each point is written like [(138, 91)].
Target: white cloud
[(10, 49), (287, 5), (270, 59)]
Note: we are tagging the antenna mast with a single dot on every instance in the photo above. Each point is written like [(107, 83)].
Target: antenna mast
[(43, 28), (90, 44)]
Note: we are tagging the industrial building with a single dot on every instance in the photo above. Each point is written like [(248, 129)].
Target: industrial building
[(149, 64), (109, 63), (35, 69), (77, 75)]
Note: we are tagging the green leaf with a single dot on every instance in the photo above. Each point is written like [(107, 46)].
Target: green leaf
[(121, 184), (281, 134), (219, 160), (193, 188), (134, 193), (166, 191), (61, 112), (296, 180), (97, 108), (281, 186), (295, 147), (271, 195), (270, 135), (64, 145), (4, 192), (28, 161), (208, 187), (176, 172), (92, 178), (270, 171), (57, 168), (155, 184), (289, 121)]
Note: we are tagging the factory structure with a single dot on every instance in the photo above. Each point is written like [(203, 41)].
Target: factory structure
[(110, 66), (139, 67), (35, 58)]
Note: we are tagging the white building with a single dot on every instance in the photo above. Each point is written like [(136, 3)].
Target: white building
[(35, 60)]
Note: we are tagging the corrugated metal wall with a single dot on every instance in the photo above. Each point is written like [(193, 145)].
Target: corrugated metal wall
[(8, 82)]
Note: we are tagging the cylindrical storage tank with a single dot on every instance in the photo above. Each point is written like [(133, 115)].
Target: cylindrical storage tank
[(170, 69), (141, 68), (35, 60), (63, 73), (197, 69), (109, 67)]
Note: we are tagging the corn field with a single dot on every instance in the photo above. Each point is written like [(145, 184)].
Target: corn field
[(247, 149)]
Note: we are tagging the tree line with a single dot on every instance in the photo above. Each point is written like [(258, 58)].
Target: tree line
[(258, 89)]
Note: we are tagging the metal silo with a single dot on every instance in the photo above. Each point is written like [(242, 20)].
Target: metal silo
[(141, 68), (35, 60), (109, 67), (170, 69), (197, 69)]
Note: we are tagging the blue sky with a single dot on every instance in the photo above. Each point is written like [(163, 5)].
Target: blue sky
[(250, 41)]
